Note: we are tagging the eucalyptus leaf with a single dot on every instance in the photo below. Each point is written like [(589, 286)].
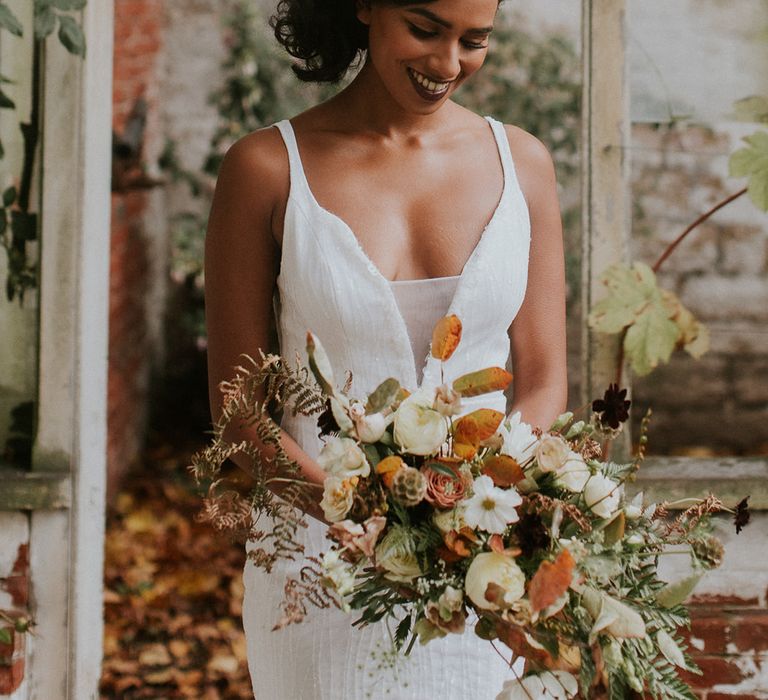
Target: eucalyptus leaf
[(45, 23), (383, 396), (71, 35), (676, 593), (9, 21), (752, 162)]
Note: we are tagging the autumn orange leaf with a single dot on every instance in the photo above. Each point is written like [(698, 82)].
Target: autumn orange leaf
[(551, 581), (388, 467), (522, 644), (477, 426), (446, 337), (504, 470), (482, 381)]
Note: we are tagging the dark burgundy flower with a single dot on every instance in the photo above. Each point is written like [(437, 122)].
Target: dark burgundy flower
[(613, 408), (326, 421), (741, 517)]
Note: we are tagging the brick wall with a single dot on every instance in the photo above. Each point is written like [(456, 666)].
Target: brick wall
[(14, 600), (720, 272), (138, 64)]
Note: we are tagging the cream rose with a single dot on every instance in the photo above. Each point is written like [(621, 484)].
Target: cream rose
[(499, 569), (338, 496), (551, 453), (419, 429), (343, 457), (602, 495), (574, 474)]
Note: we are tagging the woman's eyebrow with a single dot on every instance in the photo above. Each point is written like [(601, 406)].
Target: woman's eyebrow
[(428, 14)]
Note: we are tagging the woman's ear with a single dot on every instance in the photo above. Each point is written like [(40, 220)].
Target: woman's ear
[(363, 11)]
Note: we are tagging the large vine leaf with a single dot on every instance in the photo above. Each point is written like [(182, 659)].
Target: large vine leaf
[(752, 162), (655, 320), (752, 109), (631, 289)]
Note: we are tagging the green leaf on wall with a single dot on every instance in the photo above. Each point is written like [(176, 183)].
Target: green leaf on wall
[(752, 109), (45, 22), (752, 162), (71, 35), (9, 21), (655, 320)]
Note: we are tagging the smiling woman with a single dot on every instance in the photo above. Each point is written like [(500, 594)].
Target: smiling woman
[(366, 219)]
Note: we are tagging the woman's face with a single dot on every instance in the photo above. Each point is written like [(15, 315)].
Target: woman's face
[(422, 52)]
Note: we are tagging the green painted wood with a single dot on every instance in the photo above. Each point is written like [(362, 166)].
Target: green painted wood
[(38, 490)]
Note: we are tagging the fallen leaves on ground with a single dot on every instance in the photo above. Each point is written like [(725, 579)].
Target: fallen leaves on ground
[(173, 593)]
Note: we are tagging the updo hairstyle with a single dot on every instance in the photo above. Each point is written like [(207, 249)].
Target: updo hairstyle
[(325, 35)]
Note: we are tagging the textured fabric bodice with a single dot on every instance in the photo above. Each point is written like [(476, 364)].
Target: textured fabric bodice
[(422, 303), (327, 284)]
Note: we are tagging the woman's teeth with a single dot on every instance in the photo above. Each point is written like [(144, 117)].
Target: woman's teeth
[(428, 84)]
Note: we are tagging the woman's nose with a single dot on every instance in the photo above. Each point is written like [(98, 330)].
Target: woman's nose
[(445, 64)]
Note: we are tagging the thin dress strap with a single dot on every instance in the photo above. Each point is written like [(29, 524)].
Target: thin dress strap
[(505, 152), (296, 169)]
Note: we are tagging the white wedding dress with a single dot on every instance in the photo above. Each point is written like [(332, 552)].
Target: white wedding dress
[(327, 284)]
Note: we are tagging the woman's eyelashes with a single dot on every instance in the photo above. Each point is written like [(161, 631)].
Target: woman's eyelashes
[(420, 33)]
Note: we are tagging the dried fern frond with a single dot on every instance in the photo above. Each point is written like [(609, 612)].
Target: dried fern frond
[(299, 593), (540, 504)]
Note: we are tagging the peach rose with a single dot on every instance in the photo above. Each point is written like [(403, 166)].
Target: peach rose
[(445, 490)]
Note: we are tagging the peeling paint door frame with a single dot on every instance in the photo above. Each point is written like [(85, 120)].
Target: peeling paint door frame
[(66, 544)]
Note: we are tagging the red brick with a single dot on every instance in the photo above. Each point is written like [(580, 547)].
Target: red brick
[(734, 696), (722, 600), (11, 677), (713, 630), (715, 670), (750, 631)]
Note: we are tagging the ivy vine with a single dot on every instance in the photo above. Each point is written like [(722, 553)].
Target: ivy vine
[(18, 225)]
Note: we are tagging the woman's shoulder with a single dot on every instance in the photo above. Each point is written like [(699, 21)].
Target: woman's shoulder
[(534, 166)]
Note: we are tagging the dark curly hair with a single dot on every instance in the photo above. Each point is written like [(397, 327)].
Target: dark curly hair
[(325, 35)]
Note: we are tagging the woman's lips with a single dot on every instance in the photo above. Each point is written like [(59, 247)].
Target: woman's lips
[(423, 92)]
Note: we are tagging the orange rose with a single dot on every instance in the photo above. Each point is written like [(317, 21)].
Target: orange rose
[(446, 485)]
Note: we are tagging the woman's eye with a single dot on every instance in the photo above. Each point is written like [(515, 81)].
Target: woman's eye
[(473, 45), (421, 33)]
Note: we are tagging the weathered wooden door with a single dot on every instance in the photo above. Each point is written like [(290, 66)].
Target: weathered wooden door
[(53, 357)]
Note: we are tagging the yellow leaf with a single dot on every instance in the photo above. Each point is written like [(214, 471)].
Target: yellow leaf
[(388, 467), (504, 470), (446, 337), (482, 381)]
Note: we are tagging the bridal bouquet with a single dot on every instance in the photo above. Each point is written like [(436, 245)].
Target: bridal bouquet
[(443, 520)]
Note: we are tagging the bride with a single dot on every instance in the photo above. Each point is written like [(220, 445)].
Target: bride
[(365, 219)]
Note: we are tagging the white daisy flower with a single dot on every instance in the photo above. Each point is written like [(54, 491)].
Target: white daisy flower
[(491, 508)]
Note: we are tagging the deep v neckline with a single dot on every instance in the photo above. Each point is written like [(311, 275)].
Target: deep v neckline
[(354, 243)]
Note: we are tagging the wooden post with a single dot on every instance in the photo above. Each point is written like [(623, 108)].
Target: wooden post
[(66, 546), (605, 177)]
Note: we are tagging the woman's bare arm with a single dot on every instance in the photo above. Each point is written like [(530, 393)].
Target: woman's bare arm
[(538, 332), (241, 264)]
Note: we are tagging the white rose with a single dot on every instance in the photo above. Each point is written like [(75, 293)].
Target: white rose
[(447, 401), (574, 474), (338, 496), (602, 495), (371, 427), (519, 440), (419, 429), (343, 457), (337, 573), (396, 554), (500, 569), (551, 452), (447, 520)]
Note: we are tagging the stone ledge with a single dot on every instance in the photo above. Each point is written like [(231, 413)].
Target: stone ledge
[(33, 490), (729, 478)]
